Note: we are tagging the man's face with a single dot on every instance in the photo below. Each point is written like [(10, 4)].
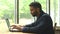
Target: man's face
[(33, 11)]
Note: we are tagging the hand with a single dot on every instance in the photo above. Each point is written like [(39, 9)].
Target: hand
[(19, 27)]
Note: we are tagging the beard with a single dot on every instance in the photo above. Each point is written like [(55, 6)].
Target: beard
[(34, 14)]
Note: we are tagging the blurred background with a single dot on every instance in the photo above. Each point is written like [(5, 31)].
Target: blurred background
[(18, 12)]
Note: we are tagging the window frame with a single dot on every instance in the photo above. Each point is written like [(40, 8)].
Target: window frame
[(16, 12)]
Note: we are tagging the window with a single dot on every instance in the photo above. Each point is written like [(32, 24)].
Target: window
[(54, 13), (59, 12), (24, 12), (6, 11)]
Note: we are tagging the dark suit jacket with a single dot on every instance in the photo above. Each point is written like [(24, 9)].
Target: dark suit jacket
[(43, 25)]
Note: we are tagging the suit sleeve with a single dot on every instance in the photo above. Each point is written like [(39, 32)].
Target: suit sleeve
[(30, 25), (43, 24)]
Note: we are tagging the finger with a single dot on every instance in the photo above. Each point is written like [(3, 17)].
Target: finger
[(15, 28), (12, 25)]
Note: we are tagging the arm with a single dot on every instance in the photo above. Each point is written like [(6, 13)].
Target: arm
[(43, 24), (31, 25)]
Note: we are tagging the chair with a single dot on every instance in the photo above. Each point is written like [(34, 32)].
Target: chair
[(55, 27)]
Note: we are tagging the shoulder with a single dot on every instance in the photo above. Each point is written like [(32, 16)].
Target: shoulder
[(45, 15)]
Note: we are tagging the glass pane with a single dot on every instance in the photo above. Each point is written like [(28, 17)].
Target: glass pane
[(59, 11), (24, 12), (43, 3), (6, 11), (54, 11)]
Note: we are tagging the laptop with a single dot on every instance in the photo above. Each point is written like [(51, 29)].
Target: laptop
[(10, 28)]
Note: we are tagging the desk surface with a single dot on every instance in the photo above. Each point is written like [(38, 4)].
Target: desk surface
[(13, 33), (7, 32)]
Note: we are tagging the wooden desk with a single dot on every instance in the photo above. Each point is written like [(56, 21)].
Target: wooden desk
[(7, 32), (14, 33)]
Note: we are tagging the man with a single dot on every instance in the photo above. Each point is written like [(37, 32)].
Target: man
[(43, 24)]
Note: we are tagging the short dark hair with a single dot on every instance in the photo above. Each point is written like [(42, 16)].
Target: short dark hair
[(36, 5)]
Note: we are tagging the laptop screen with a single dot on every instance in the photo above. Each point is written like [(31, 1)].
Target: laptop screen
[(8, 23)]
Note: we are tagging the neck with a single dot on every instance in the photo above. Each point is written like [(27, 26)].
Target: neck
[(38, 14)]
